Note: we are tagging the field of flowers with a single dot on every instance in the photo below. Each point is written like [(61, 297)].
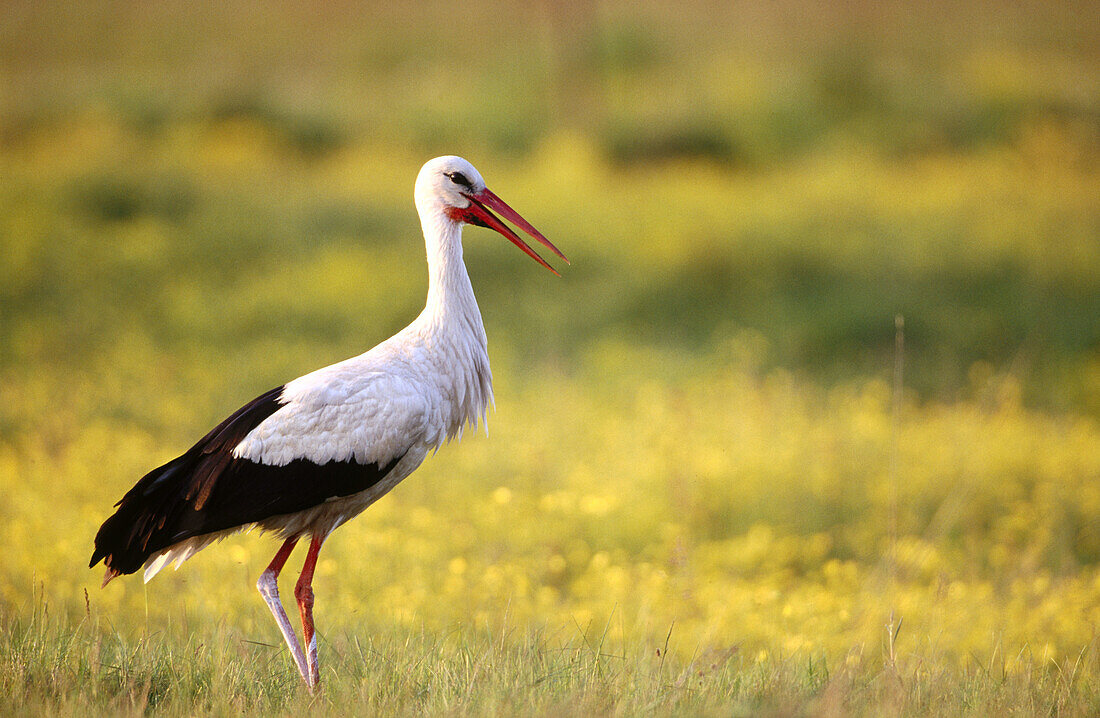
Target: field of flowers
[(810, 426)]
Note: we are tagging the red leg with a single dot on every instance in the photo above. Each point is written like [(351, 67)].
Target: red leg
[(269, 589), (303, 591), (283, 554)]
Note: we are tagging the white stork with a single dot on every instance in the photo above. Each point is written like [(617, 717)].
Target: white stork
[(307, 456)]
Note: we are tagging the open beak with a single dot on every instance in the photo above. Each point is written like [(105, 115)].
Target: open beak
[(480, 213)]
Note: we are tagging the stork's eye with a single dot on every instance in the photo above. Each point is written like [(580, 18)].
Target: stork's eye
[(459, 179)]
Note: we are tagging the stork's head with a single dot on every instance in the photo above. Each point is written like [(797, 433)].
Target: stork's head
[(453, 186)]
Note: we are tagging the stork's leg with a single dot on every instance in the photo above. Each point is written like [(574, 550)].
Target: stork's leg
[(269, 589), (303, 591)]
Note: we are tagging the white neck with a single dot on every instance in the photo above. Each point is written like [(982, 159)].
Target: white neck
[(451, 323), (449, 288)]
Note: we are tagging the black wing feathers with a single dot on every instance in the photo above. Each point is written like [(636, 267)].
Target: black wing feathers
[(222, 437), (207, 490), (247, 492)]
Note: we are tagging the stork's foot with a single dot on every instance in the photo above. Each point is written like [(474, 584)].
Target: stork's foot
[(269, 589), (303, 591), (304, 594)]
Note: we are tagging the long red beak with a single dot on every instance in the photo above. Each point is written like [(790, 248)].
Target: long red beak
[(479, 213)]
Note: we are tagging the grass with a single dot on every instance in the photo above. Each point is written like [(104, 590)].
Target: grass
[(54, 665), (704, 492), (775, 541)]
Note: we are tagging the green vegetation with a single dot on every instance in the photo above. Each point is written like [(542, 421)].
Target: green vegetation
[(705, 491)]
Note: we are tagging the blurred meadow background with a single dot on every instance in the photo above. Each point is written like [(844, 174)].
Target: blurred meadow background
[(719, 480)]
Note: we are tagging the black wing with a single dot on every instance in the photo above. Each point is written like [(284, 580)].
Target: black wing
[(208, 490)]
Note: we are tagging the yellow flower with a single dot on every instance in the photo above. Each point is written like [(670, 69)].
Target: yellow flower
[(457, 566)]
